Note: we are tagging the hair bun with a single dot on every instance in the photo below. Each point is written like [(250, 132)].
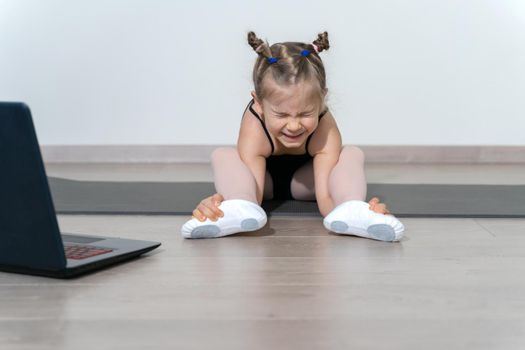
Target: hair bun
[(258, 45), (254, 41), (322, 42)]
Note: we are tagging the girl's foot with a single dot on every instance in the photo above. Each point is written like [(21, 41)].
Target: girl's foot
[(239, 216), (356, 218)]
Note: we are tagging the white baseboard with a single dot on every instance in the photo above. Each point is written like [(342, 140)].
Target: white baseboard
[(201, 154)]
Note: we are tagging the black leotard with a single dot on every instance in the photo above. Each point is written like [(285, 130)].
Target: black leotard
[(282, 167)]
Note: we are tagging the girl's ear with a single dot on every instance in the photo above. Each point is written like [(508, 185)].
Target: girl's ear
[(256, 103)]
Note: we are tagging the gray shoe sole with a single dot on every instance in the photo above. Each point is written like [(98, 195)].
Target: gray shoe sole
[(212, 231), (380, 232)]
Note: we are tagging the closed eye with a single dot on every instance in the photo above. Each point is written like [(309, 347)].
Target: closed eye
[(305, 114)]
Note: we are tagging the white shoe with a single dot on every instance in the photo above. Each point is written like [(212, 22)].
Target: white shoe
[(355, 218), (239, 216)]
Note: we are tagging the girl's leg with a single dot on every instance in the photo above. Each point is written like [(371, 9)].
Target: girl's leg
[(347, 187), (233, 179), (235, 182), (352, 215), (347, 179), (302, 185)]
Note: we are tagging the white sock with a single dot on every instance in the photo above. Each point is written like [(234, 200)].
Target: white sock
[(239, 216), (356, 218)]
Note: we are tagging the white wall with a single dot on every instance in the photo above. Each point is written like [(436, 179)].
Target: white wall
[(420, 72)]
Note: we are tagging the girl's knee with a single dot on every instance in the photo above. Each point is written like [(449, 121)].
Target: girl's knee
[(353, 152), (222, 153)]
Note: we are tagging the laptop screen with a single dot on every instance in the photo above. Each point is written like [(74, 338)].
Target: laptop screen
[(29, 233)]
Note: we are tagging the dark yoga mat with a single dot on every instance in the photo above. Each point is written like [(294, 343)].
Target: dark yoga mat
[(180, 198)]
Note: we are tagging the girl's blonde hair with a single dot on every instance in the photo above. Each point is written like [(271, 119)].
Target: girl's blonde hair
[(291, 66)]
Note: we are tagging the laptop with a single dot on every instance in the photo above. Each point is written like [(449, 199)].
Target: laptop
[(30, 239)]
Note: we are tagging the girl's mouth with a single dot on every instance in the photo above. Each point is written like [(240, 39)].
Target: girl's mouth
[(290, 137)]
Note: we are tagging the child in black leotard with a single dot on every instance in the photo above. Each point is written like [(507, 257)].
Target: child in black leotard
[(282, 167), (289, 147)]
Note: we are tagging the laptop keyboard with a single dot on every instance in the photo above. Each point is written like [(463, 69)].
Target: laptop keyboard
[(78, 252)]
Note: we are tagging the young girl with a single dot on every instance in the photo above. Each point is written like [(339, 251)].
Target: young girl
[(289, 147)]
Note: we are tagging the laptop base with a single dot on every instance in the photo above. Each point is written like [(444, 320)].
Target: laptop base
[(76, 271)]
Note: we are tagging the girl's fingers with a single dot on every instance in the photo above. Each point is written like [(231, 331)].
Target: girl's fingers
[(374, 200), (197, 215), (208, 208), (218, 212), (214, 206), (207, 212), (382, 208), (217, 198), (379, 207)]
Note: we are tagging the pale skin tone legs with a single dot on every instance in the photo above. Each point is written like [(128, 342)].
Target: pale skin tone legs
[(305, 173), (208, 207)]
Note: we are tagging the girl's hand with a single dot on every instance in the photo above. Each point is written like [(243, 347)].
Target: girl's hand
[(208, 208), (378, 207)]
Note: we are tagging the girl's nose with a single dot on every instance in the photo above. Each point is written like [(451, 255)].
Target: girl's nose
[(294, 126)]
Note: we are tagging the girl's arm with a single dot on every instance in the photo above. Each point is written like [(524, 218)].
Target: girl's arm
[(253, 148), (326, 147), (257, 166)]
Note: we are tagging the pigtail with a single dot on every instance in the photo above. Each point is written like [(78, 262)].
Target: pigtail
[(259, 46), (321, 42)]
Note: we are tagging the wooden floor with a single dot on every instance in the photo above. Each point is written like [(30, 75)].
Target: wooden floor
[(449, 284)]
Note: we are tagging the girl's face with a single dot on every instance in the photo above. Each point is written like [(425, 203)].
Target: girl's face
[(290, 113)]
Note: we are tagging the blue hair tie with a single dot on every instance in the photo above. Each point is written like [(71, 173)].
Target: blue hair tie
[(272, 60), (305, 53)]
